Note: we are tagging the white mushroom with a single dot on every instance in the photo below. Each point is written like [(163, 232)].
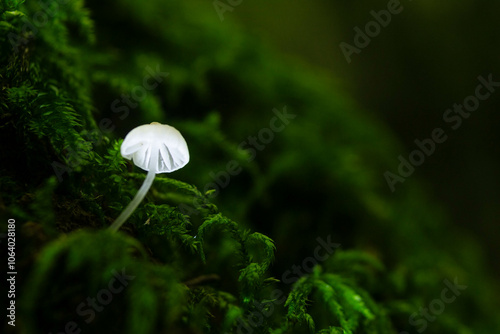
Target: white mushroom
[(156, 148)]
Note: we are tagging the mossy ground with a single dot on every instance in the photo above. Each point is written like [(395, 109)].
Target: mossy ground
[(200, 261)]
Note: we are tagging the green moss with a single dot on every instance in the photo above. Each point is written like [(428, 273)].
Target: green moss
[(208, 261)]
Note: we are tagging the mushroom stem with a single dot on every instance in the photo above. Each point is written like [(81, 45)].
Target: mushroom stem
[(135, 202), (140, 194)]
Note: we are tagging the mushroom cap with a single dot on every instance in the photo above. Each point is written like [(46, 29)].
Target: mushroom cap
[(171, 149)]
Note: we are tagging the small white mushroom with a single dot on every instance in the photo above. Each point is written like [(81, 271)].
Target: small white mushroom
[(156, 148)]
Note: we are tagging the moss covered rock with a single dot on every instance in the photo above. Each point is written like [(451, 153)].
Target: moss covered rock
[(281, 223)]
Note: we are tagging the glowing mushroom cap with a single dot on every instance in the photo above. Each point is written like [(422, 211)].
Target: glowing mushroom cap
[(159, 142)]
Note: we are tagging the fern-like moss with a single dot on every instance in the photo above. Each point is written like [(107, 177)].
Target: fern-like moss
[(209, 246)]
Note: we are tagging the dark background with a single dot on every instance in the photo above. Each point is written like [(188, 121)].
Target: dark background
[(426, 59)]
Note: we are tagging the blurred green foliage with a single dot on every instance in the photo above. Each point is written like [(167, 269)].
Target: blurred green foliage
[(423, 62), (206, 261)]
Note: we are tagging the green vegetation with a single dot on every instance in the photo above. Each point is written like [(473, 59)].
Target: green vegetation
[(75, 77)]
